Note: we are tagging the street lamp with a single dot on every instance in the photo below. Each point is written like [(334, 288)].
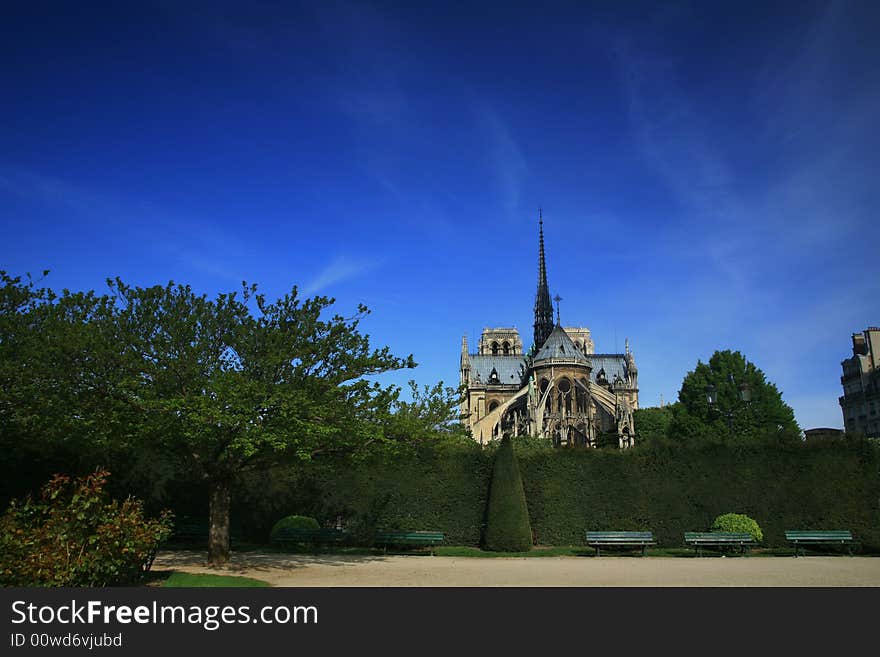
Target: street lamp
[(745, 398), (711, 394)]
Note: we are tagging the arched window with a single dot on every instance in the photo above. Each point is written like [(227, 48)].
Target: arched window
[(493, 405), (565, 395), (505, 348), (494, 348), (583, 397)]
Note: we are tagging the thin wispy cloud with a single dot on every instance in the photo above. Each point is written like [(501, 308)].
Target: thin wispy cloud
[(340, 269), (772, 250), (672, 138), (509, 167), (52, 192), (811, 200), (195, 244)]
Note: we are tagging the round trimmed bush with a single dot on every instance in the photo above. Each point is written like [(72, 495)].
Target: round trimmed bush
[(293, 522), (737, 522)]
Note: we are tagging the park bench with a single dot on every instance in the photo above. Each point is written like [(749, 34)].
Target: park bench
[(313, 537), (802, 538), (190, 531), (599, 540), (699, 540), (402, 538)]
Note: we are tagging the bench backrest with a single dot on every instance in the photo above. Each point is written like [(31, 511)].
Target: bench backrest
[(323, 532), (191, 529), (626, 536), (825, 535), (400, 535), (733, 537)]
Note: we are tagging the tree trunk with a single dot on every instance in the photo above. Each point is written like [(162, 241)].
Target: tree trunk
[(218, 532)]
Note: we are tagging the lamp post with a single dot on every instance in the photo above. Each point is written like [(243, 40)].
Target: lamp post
[(745, 399)]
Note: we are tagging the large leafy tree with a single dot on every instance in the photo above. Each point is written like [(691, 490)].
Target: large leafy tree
[(227, 385), (235, 383), (730, 417)]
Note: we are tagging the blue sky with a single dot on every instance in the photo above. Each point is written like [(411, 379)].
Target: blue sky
[(708, 172)]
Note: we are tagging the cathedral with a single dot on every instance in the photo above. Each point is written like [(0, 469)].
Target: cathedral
[(560, 389)]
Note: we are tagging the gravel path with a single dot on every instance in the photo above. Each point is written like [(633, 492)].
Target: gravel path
[(424, 570)]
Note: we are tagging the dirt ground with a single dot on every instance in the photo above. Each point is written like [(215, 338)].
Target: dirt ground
[(298, 570)]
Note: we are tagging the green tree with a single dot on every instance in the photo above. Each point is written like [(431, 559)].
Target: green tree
[(652, 423), (731, 418), (507, 516), (431, 414), (227, 385), (232, 390)]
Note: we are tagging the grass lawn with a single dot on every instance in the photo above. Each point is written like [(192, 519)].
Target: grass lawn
[(189, 580)]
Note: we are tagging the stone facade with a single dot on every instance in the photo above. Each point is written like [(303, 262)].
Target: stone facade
[(861, 384), (561, 389)]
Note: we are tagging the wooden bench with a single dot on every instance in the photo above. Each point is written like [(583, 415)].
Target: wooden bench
[(699, 540), (802, 538), (599, 540), (190, 531), (422, 538), (313, 537)]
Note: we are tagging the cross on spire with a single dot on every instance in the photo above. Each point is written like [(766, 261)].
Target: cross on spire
[(557, 299)]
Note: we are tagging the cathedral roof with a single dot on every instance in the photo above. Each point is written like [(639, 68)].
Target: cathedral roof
[(507, 367), (558, 345), (613, 364)]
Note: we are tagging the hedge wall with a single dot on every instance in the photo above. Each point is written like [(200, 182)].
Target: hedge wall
[(823, 486), (668, 490), (443, 490)]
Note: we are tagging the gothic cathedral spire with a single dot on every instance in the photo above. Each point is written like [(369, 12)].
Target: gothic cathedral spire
[(543, 305)]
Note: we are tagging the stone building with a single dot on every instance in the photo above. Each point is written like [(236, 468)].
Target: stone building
[(861, 384), (560, 389)]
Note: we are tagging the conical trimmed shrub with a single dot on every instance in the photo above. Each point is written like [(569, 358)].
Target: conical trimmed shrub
[(507, 517)]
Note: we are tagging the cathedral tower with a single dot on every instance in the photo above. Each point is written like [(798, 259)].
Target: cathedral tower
[(543, 305)]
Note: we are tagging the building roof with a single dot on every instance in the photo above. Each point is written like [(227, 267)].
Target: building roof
[(508, 368), (613, 364), (559, 345)]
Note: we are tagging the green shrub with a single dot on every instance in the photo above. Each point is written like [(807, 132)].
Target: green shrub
[(293, 522), (507, 516), (739, 523), (74, 535)]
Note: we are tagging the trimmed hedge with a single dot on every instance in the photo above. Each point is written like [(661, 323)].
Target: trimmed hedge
[(444, 489), (666, 489), (293, 522), (673, 490), (738, 523), (507, 518)]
